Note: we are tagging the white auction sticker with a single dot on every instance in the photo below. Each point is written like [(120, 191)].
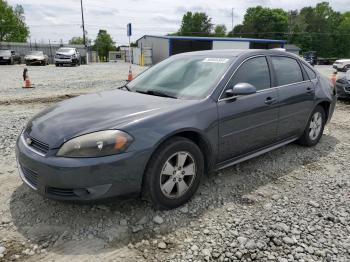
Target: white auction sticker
[(216, 60)]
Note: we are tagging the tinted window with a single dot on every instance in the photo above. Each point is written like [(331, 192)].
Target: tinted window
[(310, 72), (287, 70), (255, 71)]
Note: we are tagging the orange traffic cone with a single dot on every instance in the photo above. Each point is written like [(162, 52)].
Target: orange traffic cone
[(27, 83), (334, 78), (130, 74)]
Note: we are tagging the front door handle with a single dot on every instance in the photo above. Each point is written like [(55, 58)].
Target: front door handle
[(270, 100), (309, 90)]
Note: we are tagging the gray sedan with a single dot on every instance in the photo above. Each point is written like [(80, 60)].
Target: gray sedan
[(36, 58), (184, 117)]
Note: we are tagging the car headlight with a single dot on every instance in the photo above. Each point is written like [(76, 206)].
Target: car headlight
[(97, 144)]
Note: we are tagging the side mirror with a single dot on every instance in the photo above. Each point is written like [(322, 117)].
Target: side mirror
[(241, 89)]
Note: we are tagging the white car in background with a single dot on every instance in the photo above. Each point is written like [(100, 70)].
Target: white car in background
[(67, 55), (342, 65)]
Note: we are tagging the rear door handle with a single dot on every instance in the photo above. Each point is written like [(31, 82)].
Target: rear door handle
[(270, 100)]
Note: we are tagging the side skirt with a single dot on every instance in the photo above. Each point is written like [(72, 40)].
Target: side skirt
[(248, 156)]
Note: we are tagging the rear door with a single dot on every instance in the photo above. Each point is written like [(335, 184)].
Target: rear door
[(248, 122), (296, 94)]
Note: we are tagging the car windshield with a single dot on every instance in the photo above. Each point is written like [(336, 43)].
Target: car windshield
[(188, 77), (35, 53), (5, 52)]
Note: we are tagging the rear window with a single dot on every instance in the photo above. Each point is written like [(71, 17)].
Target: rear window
[(310, 72), (287, 70), (5, 52)]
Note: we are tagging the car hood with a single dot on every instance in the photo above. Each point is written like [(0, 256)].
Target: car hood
[(65, 53), (34, 57), (343, 61), (96, 112)]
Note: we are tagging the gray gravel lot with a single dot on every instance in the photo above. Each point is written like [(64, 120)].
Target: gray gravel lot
[(291, 204)]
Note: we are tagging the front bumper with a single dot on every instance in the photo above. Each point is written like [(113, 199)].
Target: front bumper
[(81, 179), (34, 61), (343, 90), (64, 60), (5, 61)]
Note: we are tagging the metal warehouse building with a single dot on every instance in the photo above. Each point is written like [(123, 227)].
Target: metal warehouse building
[(165, 46)]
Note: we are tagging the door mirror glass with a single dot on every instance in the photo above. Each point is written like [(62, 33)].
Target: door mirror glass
[(241, 89)]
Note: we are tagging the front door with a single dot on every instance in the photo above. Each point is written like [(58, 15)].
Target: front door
[(248, 122)]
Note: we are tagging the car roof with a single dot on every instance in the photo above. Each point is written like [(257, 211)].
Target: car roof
[(239, 52)]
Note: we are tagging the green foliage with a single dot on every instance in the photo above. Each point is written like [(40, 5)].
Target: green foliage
[(103, 44), (76, 40), (261, 22), (12, 23), (220, 31), (195, 24), (318, 28)]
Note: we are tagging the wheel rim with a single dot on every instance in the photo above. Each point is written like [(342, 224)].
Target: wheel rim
[(177, 175), (315, 126)]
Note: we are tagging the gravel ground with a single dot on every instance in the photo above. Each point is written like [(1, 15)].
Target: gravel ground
[(51, 82), (291, 204)]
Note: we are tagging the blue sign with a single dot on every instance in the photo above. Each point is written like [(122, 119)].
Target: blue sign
[(129, 32)]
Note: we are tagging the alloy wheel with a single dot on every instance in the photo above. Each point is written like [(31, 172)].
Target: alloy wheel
[(315, 126), (177, 175)]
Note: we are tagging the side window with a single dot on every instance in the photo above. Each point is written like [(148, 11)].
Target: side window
[(254, 71), (310, 72), (287, 70)]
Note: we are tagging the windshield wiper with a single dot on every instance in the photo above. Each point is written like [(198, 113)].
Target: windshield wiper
[(155, 93), (125, 87)]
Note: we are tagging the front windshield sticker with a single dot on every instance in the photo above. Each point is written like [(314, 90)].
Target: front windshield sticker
[(216, 60)]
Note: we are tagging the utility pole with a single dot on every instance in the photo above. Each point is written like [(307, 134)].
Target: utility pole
[(82, 20), (232, 19)]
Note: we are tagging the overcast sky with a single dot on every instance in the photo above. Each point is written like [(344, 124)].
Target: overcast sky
[(61, 19)]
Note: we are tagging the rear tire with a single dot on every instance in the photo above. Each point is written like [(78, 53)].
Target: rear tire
[(314, 129), (173, 173)]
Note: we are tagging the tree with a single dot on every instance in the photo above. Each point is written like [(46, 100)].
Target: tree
[(261, 22), (77, 40), (12, 23), (220, 30), (343, 39), (195, 24), (103, 44), (317, 28)]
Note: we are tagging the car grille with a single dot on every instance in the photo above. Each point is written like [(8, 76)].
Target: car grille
[(63, 56), (62, 192), (37, 144), (30, 176)]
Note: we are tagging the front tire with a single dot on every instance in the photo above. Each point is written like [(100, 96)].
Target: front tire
[(314, 129), (174, 173)]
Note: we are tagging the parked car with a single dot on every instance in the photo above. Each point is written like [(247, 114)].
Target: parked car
[(67, 55), (343, 84), (342, 65), (311, 57), (9, 57), (159, 134), (36, 58)]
